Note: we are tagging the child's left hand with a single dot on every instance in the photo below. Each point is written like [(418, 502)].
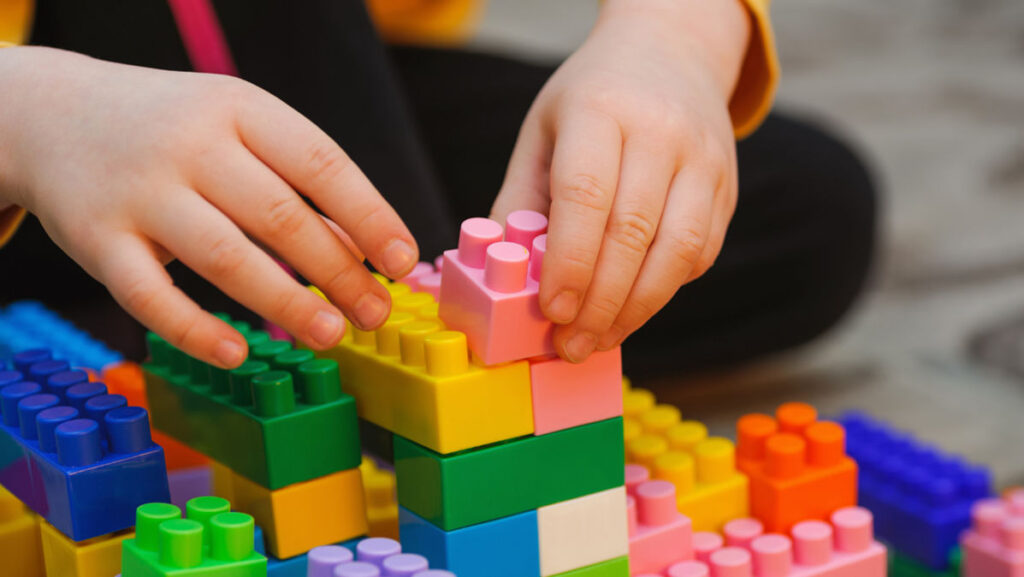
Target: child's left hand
[(630, 149)]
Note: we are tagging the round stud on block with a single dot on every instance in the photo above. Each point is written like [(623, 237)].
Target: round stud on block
[(539, 247), (240, 326), (785, 455), (656, 503), (631, 516), (812, 543), (388, 343), (59, 383), (659, 419), (203, 509), (431, 284), (357, 569), (397, 289), (148, 519), (181, 543), (687, 569), (375, 549), (418, 271), (28, 408), (645, 449), (429, 312), (404, 565), (273, 394), (987, 516), (231, 536), (411, 337), (1015, 499), (361, 337), (256, 338), (78, 442), (321, 561), (772, 555), (446, 353), (10, 378), (319, 382), (752, 432), (636, 402), (522, 226), (240, 381), (46, 425), (677, 468), (11, 395), (475, 235), (289, 361), (1012, 533), (635, 476), (716, 460), (853, 527), (631, 429), (25, 359), (412, 302), (685, 436), (198, 372), (826, 443), (731, 562), (506, 266), (795, 417), (128, 430), (79, 394), (705, 543), (179, 363), (40, 372), (268, 350), (740, 532), (159, 350), (96, 408)]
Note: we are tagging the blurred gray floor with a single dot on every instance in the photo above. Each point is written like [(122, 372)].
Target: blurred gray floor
[(933, 92)]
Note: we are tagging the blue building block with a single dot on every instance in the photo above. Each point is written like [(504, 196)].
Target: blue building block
[(506, 547), (84, 468), (294, 566), (921, 498), (26, 325)]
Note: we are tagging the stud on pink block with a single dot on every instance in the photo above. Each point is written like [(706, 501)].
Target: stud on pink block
[(659, 534), (505, 267), (522, 226), (854, 529), (994, 545), (475, 235), (740, 532), (430, 283), (688, 569), (635, 475), (705, 543), (540, 246), (567, 395), (772, 555), (731, 562), (812, 542), (421, 269)]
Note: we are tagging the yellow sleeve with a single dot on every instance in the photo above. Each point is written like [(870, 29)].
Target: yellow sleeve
[(15, 21), (759, 76)]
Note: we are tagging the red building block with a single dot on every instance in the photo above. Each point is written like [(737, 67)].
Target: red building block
[(489, 288), (567, 395), (994, 545), (798, 467), (659, 535)]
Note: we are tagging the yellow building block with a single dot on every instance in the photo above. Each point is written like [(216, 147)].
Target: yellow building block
[(97, 557), (21, 553), (381, 500), (416, 380), (299, 517)]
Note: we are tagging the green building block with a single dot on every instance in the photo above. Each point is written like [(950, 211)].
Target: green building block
[(902, 566), (210, 542), (478, 485), (618, 567), (279, 420)]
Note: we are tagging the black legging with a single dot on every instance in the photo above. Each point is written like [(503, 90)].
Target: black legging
[(433, 129)]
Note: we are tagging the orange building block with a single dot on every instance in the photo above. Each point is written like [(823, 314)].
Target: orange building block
[(381, 500), (797, 466), (21, 554), (97, 557)]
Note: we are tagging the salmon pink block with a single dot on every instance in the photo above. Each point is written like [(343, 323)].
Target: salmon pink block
[(994, 545), (567, 395), (659, 535), (489, 288)]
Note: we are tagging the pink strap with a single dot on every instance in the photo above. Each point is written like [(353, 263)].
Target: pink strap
[(203, 36)]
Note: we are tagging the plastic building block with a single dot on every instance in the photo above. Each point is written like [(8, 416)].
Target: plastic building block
[(127, 379), (293, 566), (470, 487), (186, 484), (372, 557), (921, 498), (27, 325), (277, 421), (489, 288), (299, 517), (416, 380), (96, 557), (583, 531), (994, 545), (424, 278), (567, 395), (381, 500), (506, 547), (797, 466), (20, 547), (210, 542), (658, 534), (901, 565), (83, 469), (618, 567), (845, 547)]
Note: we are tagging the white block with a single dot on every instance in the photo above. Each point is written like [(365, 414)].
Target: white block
[(583, 531)]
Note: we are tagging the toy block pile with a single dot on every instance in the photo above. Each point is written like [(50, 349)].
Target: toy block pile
[(993, 546), (282, 437), (20, 547), (28, 325), (921, 497), (369, 558), (508, 460)]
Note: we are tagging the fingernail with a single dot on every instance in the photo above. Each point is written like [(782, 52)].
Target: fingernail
[(579, 347), (370, 311), (398, 258), (563, 307), (611, 338), (229, 353), (326, 328)]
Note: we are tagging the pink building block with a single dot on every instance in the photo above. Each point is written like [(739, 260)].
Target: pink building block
[(846, 547), (659, 535), (489, 288), (994, 545), (424, 278), (567, 395)]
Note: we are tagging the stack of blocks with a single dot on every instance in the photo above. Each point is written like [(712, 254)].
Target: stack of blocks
[(994, 544), (508, 460), (79, 457), (20, 548), (282, 437), (28, 325)]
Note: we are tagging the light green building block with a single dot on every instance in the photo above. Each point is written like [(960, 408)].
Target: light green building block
[(618, 567)]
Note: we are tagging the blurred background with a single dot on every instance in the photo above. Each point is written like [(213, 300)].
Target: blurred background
[(932, 93)]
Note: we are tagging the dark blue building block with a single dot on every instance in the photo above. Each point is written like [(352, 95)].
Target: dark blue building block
[(921, 498), (85, 469), (26, 325)]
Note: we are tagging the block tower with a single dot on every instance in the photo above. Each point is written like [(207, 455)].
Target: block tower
[(508, 460)]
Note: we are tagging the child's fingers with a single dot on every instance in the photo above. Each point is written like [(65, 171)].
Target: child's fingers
[(528, 176), (584, 176), (216, 249), (316, 166), (644, 179), (345, 238), (142, 287), (722, 212), (269, 210)]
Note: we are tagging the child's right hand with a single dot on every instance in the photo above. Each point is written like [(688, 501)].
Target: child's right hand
[(128, 168)]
